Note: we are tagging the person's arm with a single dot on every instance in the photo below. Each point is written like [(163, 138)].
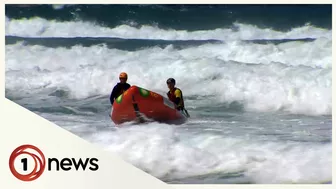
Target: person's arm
[(178, 96), (113, 94), (128, 86)]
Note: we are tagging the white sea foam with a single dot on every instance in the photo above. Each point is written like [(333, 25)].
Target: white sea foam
[(262, 77), (39, 27), (207, 154)]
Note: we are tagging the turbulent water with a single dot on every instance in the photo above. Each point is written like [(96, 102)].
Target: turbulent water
[(256, 80)]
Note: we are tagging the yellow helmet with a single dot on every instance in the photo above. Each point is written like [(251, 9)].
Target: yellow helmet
[(123, 75)]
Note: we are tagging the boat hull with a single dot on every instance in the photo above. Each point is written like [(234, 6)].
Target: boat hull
[(142, 105)]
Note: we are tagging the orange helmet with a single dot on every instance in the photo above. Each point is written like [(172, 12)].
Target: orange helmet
[(123, 75)]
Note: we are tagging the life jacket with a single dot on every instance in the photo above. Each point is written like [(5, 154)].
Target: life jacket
[(172, 97)]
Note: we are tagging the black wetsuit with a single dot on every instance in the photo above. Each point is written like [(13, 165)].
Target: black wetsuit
[(119, 89)]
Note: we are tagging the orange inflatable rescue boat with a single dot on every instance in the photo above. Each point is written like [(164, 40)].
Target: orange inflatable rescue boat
[(141, 105)]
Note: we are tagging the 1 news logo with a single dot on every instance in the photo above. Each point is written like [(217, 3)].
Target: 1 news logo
[(23, 156)]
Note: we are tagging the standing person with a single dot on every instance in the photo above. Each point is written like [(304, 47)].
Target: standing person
[(175, 95), (120, 87)]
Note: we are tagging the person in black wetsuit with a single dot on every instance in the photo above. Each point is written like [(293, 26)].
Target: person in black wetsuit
[(120, 87), (175, 95)]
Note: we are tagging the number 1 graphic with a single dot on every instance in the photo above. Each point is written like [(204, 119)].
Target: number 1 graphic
[(24, 162)]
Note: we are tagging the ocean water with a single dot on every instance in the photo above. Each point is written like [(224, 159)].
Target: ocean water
[(256, 80)]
